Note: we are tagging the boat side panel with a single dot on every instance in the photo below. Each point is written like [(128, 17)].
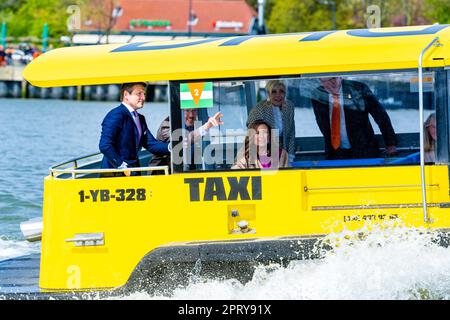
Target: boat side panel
[(206, 207)]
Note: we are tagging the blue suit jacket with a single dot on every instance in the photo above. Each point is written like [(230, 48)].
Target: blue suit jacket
[(119, 139)]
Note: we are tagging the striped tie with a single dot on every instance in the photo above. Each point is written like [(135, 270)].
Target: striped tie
[(138, 123)]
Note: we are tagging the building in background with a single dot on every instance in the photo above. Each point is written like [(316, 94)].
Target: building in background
[(147, 20)]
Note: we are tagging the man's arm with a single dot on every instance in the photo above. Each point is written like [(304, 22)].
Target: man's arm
[(317, 105), (111, 127), (381, 118), (155, 146), (213, 121)]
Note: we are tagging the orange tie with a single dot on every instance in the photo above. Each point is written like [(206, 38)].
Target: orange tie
[(336, 123)]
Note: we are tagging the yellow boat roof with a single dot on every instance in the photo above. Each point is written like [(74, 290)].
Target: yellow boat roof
[(245, 56)]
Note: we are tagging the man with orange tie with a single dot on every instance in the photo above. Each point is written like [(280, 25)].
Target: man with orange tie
[(342, 109)]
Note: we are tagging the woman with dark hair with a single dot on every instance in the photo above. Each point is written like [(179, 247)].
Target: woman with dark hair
[(258, 152), (278, 112)]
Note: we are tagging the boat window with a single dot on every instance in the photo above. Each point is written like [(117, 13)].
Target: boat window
[(381, 116), (327, 121), (196, 146)]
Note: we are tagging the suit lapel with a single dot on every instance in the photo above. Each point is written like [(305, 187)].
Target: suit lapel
[(346, 98), (143, 126), (346, 93), (135, 129), (324, 100)]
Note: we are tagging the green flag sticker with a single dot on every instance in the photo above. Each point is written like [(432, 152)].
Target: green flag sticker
[(196, 95)]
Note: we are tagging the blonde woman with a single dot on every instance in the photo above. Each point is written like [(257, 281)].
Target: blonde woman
[(278, 113), (257, 150), (429, 128)]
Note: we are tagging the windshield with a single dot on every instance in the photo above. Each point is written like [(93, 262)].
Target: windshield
[(305, 121)]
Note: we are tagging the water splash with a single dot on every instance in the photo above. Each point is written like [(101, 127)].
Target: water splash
[(11, 248), (389, 263), (196, 271)]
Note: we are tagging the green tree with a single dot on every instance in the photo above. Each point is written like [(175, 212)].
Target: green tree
[(7, 9), (313, 15), (30, 18), (438, 11), (11, 5), (296, 16), (401, 12), (308, 15), (253, 3)]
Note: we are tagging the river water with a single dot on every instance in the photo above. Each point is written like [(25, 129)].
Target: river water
[(36, 134), (389, 264)]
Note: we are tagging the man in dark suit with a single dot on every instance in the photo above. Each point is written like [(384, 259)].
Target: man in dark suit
[(342, 109), (125, 132)]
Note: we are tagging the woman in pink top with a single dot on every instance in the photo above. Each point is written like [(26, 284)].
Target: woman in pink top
[(257, 150)]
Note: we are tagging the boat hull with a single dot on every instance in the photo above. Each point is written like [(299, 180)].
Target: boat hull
[(132, 216)]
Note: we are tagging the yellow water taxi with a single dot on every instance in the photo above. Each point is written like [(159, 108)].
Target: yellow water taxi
[(127, 233)]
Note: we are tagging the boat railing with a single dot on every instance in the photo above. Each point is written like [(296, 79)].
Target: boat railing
[(88, 165)]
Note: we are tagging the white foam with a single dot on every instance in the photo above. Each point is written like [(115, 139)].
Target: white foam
[(387, 264), (392, 263), (11, 249)]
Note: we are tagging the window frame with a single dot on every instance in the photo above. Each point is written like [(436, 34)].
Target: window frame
[(441, 103)]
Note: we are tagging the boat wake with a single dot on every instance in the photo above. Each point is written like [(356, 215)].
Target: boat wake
[(12, 248), (390, 263)]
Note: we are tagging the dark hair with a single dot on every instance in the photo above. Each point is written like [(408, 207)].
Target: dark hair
[(252, 127), (128, 87)]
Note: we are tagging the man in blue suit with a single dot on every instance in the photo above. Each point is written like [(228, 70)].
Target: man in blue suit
[(125, 132)]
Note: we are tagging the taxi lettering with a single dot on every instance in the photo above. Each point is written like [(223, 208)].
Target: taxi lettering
[(243, 188)]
